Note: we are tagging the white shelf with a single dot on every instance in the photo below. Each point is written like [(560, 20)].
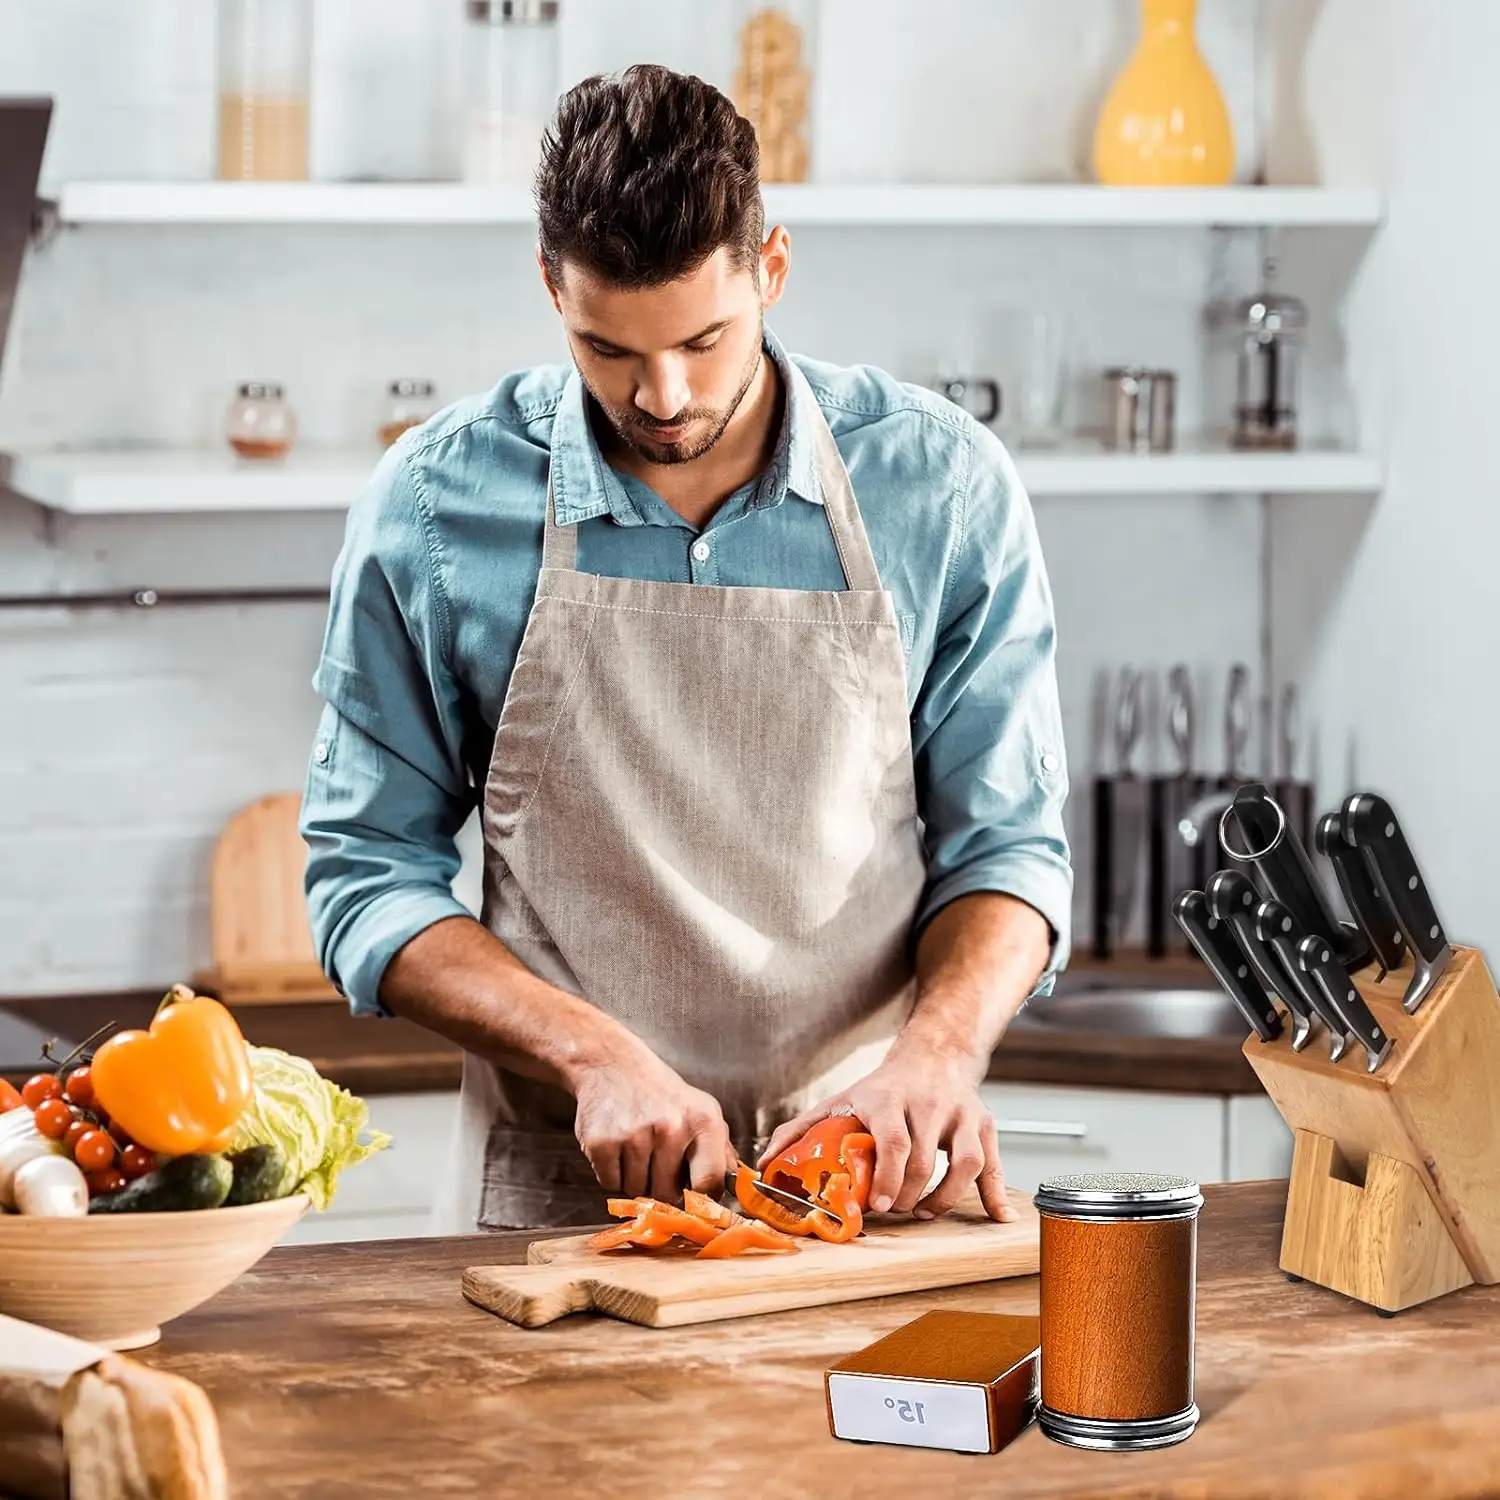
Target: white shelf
[(188, 482), (456, 204)]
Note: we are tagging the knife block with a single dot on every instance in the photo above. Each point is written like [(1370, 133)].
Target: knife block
[(1394, 1196)]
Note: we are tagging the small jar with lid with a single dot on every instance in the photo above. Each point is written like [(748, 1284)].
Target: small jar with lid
[(1119, 1259), (259, 424), (513, 84), (772, 86), (408, 404)]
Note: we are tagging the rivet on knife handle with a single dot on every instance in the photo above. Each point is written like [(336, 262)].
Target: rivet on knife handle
[(1319, 961), (1232, 900), (1362, 893), (1216, 946), (1278, 929), (1370, 824)]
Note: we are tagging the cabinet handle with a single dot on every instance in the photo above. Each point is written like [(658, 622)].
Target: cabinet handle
[(1069, 1128)]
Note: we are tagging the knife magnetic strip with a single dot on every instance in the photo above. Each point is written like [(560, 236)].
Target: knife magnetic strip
[(1428, 1119)]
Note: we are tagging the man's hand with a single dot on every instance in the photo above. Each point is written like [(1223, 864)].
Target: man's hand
[(916, 1103), (638, 1121)]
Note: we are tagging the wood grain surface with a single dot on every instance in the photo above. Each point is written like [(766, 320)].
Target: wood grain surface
[(360, 1371), (670, 1288), (1117, 1318)]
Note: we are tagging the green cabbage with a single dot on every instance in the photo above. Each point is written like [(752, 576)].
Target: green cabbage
[(315, 1124)]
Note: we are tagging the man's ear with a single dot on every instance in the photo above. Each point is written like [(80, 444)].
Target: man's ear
[(547, 279), (775, 265)]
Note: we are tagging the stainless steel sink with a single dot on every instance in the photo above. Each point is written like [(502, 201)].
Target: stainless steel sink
[(1155, 1012)]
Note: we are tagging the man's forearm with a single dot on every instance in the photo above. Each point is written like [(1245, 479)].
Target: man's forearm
[(977, 961), (457, 979)]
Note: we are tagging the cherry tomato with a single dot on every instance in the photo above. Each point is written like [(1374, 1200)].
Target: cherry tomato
[(122, 1140), (39, 1088), (53, 1118), (107, 1181), (75, 1130), (94, 1151), (136, 1161), (80, 1087), (10, 1097)]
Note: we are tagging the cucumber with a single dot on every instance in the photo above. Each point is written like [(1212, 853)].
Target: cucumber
[(201, 1180), (258, 1171)]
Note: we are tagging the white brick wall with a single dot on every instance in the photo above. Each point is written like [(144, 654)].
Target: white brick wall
[(127, 740)]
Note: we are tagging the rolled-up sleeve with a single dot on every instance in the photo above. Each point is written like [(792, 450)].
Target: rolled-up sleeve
[(991, 768), (387, 790)]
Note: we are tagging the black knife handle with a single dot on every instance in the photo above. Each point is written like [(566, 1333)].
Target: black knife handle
[(1287, 873), (1320, 962), (1370, 824), (1232, 900), (1277, 928), (1362, 892), (1217, 947)]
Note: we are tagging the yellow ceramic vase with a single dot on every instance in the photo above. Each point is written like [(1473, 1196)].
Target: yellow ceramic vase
[(1164, 123)]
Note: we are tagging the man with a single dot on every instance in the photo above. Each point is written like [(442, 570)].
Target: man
[(748, 664)]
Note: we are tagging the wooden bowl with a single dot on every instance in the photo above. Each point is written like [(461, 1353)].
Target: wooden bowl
[(114, 1279)]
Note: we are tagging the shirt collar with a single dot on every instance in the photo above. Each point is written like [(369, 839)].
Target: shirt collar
[(584, 486)]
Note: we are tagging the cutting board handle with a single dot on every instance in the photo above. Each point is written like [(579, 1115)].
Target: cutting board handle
[(531, 1296)]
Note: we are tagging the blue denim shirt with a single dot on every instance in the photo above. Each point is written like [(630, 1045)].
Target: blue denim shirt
[(439, 567)]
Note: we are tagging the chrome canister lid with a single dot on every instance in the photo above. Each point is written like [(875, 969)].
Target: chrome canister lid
[(1119, 1195)]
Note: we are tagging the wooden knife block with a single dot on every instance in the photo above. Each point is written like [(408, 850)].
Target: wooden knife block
[(1395, 1190)]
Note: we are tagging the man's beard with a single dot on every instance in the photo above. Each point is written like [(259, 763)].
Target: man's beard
[(635, 427)]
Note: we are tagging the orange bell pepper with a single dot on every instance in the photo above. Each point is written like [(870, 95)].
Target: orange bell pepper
[(832, 1165), (747, 1234), (768, 1210), (181, 1086), (701, 1206), (10, 1098)]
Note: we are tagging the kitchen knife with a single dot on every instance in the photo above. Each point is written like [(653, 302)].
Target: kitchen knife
[(1172, 866), (1277, 929), (1318, 960), (1233, 900), (1362, 893), (1217, 947), (1119, 823), (1286, 872), (1370, 825), (1294, 795)]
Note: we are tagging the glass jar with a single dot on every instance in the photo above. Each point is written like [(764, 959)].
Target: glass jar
[(259, 423), (1271, 327), (512, 88), (409, 403), (265, 60), (773, 83)]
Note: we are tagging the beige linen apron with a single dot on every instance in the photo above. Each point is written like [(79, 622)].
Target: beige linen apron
[(700, 816)]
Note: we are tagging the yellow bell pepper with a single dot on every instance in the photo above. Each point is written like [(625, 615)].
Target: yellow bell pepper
[(181, 1086)]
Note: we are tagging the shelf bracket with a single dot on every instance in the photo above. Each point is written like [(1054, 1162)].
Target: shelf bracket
[(46, 222)]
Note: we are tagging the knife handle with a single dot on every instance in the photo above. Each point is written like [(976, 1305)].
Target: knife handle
[(1320, 962), (1278, 930), (1217, 947), (1288, 874), (1232, 900), (1370, 824), (1362, 893)]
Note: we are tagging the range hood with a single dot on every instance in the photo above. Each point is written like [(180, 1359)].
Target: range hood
[(23, 137)]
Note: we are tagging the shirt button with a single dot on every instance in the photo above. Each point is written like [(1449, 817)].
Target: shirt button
[(1049, 761), (700, 551), (320, 753)]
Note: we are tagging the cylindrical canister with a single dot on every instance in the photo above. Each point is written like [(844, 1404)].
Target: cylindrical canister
[(1119, 1254), (1143, 406)]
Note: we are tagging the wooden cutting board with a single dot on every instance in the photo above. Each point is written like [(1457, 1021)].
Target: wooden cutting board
[(668, 1288)]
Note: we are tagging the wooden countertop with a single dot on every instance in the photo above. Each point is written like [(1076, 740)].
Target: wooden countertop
[(391, 1056), (359, 1370)]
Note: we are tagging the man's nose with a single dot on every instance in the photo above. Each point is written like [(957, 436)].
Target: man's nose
[(663, 390)]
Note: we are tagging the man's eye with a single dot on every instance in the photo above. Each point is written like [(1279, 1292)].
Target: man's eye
[(707, 348), (604, 353)]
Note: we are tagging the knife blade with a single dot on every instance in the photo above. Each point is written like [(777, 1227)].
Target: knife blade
[(1370, 825), (1317, 959), (789, 1200), (1286, 872), (1278, 930), (1233, 900), (1362, 893), (1172, 866), (1217, 947)]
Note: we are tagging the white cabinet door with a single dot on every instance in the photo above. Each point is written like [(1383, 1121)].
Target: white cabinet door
[(391, 1195), (1046, 1131), (1260, 1142)]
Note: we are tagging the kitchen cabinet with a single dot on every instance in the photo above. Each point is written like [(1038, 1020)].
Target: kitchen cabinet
[(390, 1195), (1049, 1131)]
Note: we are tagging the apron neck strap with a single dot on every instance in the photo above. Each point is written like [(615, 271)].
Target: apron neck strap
[(559, 543)]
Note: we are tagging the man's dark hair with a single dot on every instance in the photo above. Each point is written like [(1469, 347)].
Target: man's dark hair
[(644, 175)]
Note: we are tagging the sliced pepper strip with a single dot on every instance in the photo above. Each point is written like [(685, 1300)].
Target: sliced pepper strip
[(767, 1210), (637, 1231), (747, 1234), (701, 1206), (841, 1199)]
